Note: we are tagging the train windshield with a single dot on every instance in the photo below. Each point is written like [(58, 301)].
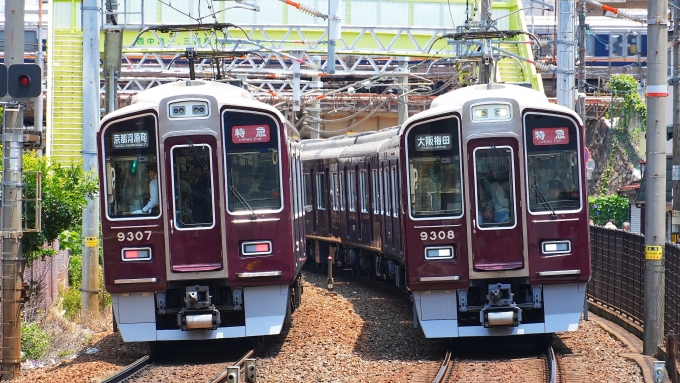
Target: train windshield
[(553, 163), (131, 182), (253, 161), (192, 187), (434, 169)]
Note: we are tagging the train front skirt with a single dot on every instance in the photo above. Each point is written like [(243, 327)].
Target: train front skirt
[(135, 315), (437, 313)]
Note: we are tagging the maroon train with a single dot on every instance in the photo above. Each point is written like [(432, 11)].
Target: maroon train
[(477, 206), (202, 224)]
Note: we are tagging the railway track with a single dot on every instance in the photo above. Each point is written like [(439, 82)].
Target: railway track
[(214, 364)]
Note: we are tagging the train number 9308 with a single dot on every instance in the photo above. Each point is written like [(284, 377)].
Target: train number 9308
[(134, 236), (434, 235)]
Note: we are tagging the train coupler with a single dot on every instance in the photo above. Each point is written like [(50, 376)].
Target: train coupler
[(506, 316), (199, 319)]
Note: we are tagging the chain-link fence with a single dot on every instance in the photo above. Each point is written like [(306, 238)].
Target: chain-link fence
[(45, 278)]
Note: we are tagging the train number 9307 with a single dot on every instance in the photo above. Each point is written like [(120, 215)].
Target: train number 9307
[(434, 235), (134, 236)]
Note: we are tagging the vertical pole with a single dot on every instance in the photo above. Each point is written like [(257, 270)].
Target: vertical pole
[(582, 47), (315, 109), (11, 202), (675, 225), (296, 81), (486, 65), (565, 53), (334, 33), (402, 107), (113, 43), (91, 112), (11, 241), (655, 174)]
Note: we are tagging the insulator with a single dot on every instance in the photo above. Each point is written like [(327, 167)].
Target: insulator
[(311, 11), (311, 65), (625, 15)]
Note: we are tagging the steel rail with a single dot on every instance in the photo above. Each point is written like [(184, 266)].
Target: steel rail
[(444, 368), (128, 371), (223, 376), (552, 361)]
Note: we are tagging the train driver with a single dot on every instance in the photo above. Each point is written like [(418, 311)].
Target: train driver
[(555, 190), (153, 190)]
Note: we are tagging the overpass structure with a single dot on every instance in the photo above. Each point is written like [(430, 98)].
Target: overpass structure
[(391, 54)]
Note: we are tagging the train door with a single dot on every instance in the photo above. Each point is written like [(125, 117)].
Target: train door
[(495, 205), (191, 174), (353, 225), (375, 207)]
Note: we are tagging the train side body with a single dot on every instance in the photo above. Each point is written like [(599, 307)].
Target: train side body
[(219, 255), (463, 212)]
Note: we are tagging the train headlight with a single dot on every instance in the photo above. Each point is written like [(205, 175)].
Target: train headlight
[(439, 252), (491, 112), (556, 247), (136, 254), (256, 248)]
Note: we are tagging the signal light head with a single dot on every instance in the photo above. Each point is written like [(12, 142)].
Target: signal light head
[(24, 80)]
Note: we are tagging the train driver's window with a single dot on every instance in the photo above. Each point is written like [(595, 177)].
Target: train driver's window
[(434, 169), (129, 150), (253, 162), (192, 186), (494, 186), (553, 163)]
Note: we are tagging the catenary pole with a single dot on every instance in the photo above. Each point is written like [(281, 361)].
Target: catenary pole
[(676, 121), (655, 174), (566, 45), (91, 112), (12, 259)]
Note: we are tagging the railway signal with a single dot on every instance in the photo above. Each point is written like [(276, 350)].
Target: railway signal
[(23, 80), (3, 80)]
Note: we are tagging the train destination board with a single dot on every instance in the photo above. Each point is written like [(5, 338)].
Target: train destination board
[(550, 136), (428, 142), (248, 134), (127, 140)]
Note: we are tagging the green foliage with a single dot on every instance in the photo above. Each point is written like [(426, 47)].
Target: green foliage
[(34, 341), (71, 301), (626, 87), (604, 208), (75, 271), (65, 190)]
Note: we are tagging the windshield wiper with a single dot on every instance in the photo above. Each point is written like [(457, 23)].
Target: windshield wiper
[(243, 201), (545, 201), (198, 156)]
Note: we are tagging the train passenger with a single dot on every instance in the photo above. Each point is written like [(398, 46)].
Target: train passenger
[(486, 210), (202, 194), (500, 205), (563, 176), (152, 170)]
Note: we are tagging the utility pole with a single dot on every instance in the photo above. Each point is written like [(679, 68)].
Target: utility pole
[(655, 174), (582, 47), (334, 33), (486, 66), (12, 258), (91, 112), (402, 106), (315, 107), (566, 42), (113, 51), (675, 226)]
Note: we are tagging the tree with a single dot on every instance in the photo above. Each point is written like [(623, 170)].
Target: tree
[(65, 190)]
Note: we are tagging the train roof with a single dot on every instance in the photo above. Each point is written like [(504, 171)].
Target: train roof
[(456, 99), (603, 24), (225, 94), (349, 139)]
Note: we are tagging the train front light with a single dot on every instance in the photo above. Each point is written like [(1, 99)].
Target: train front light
[(439, 252), (491, 112), (556, 247)]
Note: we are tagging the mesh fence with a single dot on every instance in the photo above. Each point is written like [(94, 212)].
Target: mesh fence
[(45, 278)]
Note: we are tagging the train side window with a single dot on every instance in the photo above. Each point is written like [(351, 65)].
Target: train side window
[(381, 193), (363, 180), (632, 44), (352, 191), (307, 185), (253, 162), (320, 192), (616, 45), (553, 163), (395, 203), (386, 191), (192, 186), (376, 191), (335, 192), (296, 191), (341, 183), (433, 174), (129, 149)]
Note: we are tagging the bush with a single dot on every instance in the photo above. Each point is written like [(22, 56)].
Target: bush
[(71, 301), (34, 341), (604, 208)]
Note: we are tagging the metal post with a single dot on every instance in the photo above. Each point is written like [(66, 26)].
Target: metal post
[(675, 224), (113, 45), (402, 107), (296, 81), (565, 53), (315, 109), (334, 33), (655, 175), (11, 201), (582, 47), (91, 112), (11, 240)]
